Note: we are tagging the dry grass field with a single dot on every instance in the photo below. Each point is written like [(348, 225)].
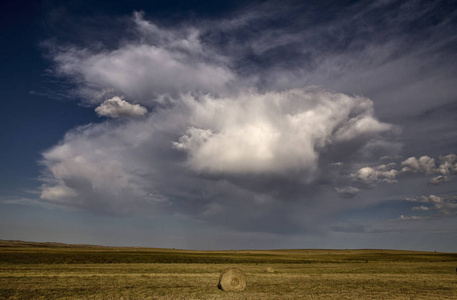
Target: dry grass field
[(56, 271)]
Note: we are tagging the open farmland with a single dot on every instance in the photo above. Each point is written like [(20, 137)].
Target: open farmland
[(50, 271)]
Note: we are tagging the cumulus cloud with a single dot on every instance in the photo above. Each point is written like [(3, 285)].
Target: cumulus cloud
[(427, 166), (424, 164), (382, 173), (445, 204), (118, 108), (448, 164), (275, 132)]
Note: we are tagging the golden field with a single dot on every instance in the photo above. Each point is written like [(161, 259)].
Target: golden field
[(58, 271)]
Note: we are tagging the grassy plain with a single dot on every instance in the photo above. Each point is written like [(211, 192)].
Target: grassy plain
[(57, 271)]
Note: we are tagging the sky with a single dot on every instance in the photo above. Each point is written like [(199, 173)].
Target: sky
[(230, 124)]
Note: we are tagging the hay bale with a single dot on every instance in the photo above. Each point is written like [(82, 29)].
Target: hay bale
[(270, 270), (232, 280)]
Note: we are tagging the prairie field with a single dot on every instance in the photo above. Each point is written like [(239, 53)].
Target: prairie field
[(58, 271)]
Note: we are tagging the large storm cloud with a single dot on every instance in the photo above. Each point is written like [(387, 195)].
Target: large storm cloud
[(206, 145), (277, 133)]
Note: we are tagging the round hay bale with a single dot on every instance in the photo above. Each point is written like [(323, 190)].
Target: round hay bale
[(232, 280), (270, 270)]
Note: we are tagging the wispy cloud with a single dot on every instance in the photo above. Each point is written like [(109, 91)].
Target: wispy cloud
[(162, 62)]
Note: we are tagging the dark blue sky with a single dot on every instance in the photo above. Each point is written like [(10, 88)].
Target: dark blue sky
[(31, 120), (271, 124)]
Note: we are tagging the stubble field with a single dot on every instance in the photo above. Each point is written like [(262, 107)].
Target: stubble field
[(56, 271)]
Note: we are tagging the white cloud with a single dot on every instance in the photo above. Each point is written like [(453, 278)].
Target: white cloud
[(425, 164), (435, 199), (382, 173), (117, 108), (274, 132)]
